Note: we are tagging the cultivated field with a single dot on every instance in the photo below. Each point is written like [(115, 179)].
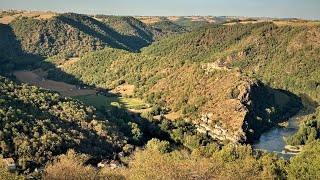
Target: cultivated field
[(148, 19), (36, 15), (280, 23), (98, 101), (201, 18), (37, 78)]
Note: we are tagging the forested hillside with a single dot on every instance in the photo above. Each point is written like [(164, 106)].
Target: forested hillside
[(177, 74), (75, 34), (130, 27), (222, 85), (49, 37), (157, 161), (37, 124), (166, 28), (206, 61), (68, 35)]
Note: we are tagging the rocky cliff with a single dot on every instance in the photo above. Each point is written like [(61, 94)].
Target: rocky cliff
[(249, 109)]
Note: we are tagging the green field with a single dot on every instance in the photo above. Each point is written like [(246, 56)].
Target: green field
[(98, 101)]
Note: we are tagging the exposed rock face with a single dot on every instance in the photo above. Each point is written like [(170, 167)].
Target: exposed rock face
[(252, 108), (217, 131), (217, 65), (233, 101)]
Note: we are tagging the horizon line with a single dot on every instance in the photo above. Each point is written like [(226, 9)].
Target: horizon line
[(137, 15)]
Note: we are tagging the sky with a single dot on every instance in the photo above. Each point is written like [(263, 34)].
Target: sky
[(307, 9)]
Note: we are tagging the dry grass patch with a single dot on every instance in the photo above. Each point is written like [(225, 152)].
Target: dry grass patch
[(173, 18), (7, 19), (36, 15), (171, 116), (296, 24), (124, 89), (279, 23), (148, 19)]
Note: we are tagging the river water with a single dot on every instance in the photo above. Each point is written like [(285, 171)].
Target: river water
[(272, 140)]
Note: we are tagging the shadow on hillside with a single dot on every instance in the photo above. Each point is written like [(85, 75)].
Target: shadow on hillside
[(269, 107), (13, 56), (73, 133), (103, 32)]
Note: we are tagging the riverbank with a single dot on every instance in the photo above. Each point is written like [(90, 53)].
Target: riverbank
[(273, 140), (292, 149)]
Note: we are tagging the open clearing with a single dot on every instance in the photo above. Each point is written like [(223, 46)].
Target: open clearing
[(130, 104), (36, 15), (171, 116), (37, 78), (98, 101), (124, 89), (148, 19)]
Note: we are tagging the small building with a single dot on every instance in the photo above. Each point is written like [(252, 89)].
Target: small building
[(8, 163), (202, 130)]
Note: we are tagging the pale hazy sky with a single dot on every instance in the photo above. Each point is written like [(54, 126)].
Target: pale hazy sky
[(308, 9)]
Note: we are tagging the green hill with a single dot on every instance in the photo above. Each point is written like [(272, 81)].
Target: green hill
[(76, 34), (166, 28), (177, 74), (129, 26), (37, 124), (72, 34), (200, 87)]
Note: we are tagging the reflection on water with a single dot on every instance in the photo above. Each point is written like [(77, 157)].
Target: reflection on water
[(272, 140)]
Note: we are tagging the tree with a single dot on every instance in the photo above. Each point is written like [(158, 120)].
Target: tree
[(6, 175), (70, 166), (306, 165)]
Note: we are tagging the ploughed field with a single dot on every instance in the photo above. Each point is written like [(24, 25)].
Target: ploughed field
[(38, 78), (116, 97)]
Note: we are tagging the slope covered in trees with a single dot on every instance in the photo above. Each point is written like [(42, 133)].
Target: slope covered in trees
[(37, 124), (72, 34), (11, 54), (159, 161), (287, 62), (166, 29), (227, 78), (76, 34), (130, 27), (68, 35), (176, 74)]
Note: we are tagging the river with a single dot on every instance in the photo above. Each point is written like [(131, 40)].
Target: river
[(272, 140)]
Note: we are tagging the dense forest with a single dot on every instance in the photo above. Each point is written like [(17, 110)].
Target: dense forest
[(37, 124), (242, 79)]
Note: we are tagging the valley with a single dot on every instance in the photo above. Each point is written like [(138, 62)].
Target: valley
[(98, 96)]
